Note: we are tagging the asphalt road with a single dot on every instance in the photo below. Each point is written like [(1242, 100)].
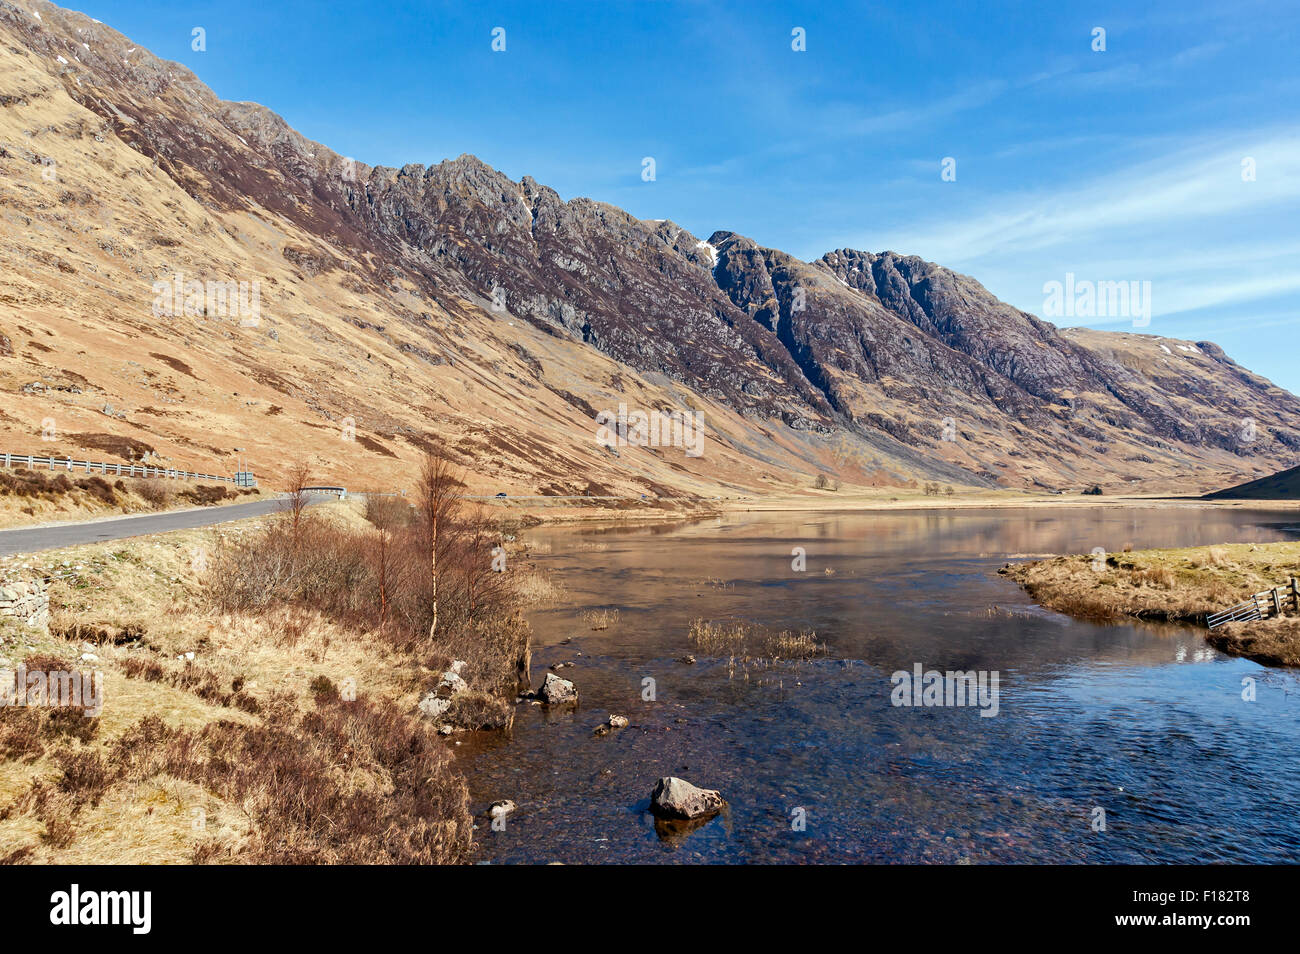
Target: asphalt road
[(22, 540)]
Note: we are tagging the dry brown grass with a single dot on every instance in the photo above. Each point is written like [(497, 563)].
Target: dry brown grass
[(742, 640), (1178, 585), (35, 496), (538, 589), (293, 732), (600, 619), (791, 645), (356, 782), (715, 583), (718, 638), (1271, 642)]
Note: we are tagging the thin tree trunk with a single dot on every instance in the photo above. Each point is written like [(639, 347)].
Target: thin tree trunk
[(433, 570)]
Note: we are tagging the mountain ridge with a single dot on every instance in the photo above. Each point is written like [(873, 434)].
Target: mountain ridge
[(883, 368)]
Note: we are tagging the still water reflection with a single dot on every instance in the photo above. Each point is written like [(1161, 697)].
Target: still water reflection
[(1144, 722)]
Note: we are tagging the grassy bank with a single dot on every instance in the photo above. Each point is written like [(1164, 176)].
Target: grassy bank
[(262, 683), (1182, 585), (36, 497)]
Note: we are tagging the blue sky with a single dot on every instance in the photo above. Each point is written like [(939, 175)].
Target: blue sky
[(1117, 165)]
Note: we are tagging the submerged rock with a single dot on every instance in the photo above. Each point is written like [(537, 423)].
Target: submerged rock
[(614, 722), (678, 798)]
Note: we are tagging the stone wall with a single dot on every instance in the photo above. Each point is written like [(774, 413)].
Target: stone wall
[(26, 601)]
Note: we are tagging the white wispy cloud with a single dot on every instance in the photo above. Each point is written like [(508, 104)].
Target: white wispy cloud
[(1191, 186), (1185, 221)]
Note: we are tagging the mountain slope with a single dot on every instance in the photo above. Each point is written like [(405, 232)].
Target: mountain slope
[(449, 300), (1280, 486)]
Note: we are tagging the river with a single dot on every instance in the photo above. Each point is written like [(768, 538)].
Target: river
[(1111, 743)]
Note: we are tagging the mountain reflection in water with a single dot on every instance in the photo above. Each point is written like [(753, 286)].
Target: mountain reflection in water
[(1144, 722)]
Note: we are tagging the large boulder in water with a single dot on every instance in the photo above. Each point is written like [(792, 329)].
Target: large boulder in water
[(557, 692), (678, 798)]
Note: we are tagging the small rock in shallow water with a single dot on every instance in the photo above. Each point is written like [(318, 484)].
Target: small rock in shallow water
[(503, 807), (678, 798), (614, 722), (688, 659)]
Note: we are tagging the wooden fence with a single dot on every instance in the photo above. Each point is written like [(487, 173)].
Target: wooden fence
[(1260, 606)]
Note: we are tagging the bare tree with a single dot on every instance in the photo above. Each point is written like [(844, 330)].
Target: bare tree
[(381, 574), (438, 503), (298, 478), (482, 585)]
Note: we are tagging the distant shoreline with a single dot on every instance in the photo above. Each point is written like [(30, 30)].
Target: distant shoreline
[(542, 513)]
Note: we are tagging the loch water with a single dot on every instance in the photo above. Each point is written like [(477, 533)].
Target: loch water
[(1145, 723)]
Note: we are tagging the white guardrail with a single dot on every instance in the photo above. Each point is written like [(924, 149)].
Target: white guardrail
[(32, 461)]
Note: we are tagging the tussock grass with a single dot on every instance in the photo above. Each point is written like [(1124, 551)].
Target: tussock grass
[(719, 638), (1270, 642), (715, 583), (600, 619), (537, 588), (1177, 584), (746, 641), (31, 496), (1184, 585)]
